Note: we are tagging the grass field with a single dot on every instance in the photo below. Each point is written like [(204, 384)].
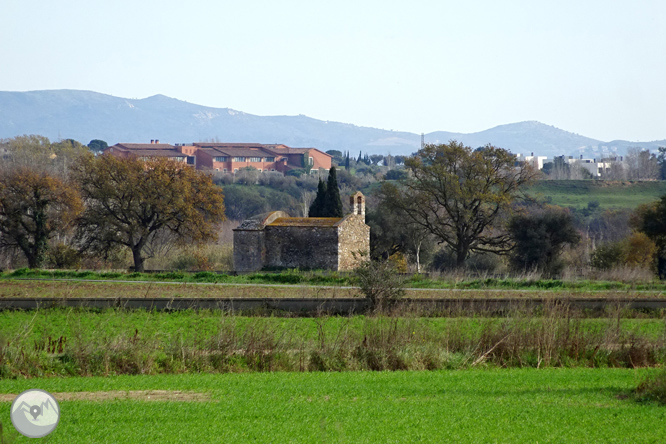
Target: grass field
[(470, 406), (61, 283), (61, 289), (578, 193), (73, 342)]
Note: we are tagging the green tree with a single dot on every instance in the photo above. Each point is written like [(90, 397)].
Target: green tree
[(307, 166), (651, 220), (34, 206), (130, 203), (540, 238), (337, 156), (97, 146), (37, 152), (461, 196), (332, 201), (317, 207)]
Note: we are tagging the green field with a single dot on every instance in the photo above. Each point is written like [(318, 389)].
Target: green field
[(470, 406), (72, 342), (43, 279), (609, 195)]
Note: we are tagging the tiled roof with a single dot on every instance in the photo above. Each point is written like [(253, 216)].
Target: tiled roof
[(236, 149), (305, 222), (144, 146), (158, 153)]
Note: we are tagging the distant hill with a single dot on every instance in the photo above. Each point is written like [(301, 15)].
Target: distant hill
[(86, 115)]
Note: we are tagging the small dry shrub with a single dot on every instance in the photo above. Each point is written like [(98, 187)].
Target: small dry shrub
[(379, 283)]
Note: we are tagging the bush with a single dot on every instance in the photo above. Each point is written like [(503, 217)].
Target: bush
[(652, 389), (63, 256), (379, 283), (608, 256), (640, 250)]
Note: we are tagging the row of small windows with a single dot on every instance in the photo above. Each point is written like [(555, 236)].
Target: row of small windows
[(236, 170), (245, 159)]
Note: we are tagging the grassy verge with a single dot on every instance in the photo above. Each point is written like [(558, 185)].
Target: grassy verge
[(515, 405), (321, 278), (81, 343), (609, 194), (63, 289)]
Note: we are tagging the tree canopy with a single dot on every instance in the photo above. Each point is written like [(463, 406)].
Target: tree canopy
[(327, 203), (37, 152), (651, 220), (317, 207), (130, 202), (34, 206), (460, 195), (97, 146), (540, 238)]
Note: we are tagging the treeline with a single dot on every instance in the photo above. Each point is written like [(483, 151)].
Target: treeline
[(60, 202), (446, 208), (638, 164)]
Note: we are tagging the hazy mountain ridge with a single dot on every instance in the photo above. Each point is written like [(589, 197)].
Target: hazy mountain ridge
[(86, 115)]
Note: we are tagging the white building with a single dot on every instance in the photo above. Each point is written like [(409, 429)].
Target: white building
[(535, 161)]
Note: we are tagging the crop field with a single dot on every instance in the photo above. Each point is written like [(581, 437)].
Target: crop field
[(578, 193), (77, 342), (307, 284), (62, 289), (486, 405)]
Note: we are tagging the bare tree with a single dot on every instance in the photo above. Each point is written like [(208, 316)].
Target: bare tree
[(641, 164), (307, 197)]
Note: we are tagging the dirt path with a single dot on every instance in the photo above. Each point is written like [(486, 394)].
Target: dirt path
[(113, 395)]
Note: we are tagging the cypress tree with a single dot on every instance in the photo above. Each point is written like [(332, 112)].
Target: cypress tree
[(347, 162), (332, 202), (318, 204)]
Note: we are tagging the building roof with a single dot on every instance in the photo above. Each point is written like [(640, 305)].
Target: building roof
[(158, 153), (144, 146), (305, 222)]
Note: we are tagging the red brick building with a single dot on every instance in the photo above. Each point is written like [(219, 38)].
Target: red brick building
[(229, 157)]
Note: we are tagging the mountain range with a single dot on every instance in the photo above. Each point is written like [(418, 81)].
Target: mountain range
[(87, 115)]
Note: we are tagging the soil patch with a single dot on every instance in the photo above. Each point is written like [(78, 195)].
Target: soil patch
[(134, 395)]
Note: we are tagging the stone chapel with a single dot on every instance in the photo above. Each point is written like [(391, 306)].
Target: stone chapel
[(276, 240)]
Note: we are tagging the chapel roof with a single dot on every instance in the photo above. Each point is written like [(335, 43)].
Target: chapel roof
[(305, 222)]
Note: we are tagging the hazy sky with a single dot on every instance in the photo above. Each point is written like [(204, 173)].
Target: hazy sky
[(594, 67)]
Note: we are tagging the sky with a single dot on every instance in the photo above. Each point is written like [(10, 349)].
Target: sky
[(592, 67)]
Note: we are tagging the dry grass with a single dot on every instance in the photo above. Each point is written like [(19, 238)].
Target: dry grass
[(63, 290), (78, 289), (550, 337)]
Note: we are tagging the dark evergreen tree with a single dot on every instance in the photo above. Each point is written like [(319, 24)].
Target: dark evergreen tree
[(347, 162), (360, 157), (97, 146), (332, 202), (317, 206), (540, 239)]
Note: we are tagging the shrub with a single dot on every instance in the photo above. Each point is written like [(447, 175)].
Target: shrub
[(652, 388), (608, 256), (640, 250), (379, 283), (63, 256)]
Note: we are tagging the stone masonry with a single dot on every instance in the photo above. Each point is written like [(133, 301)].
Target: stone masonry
[(275, 240)]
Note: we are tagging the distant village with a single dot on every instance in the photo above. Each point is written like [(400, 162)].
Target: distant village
[(231, 158)]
